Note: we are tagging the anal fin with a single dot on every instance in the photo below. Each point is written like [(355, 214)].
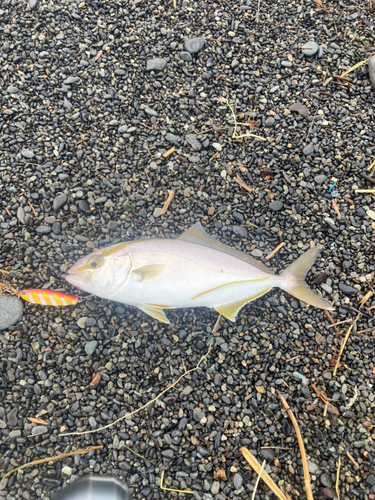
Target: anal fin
[(231, 309), (154, 311)]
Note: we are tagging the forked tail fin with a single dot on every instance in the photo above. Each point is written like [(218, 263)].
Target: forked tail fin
[(292, 280)]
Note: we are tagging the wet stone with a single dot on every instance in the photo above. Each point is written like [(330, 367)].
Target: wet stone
[(84, 206), (39, 429), (371, 71)]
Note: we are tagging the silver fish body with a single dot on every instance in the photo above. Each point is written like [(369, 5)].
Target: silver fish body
[(192, 271)]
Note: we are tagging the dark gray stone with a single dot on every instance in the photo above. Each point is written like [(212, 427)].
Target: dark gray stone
[(12, 417), (308, 150), (240, 231), (237, 481), (193, 141), (173, 139), (84, 206), (59, 202), (326, 480), (270, 121), (43, 229), (348, 290)]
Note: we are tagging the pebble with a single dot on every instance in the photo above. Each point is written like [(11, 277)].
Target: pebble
[(320, 179), (268, 453), (347, 289), (237, 481), (371, 214), (43, 229), (312, 48), (257, 253), (276, 205), (84, 206), (329, 493), (371, 71), (33, 4), (39, 429), (194, 45), (90, 347), (11, 309), (326, 480), (308, 150), (82, 322), (215, 487), (66, 470), (156, 64), (185, 56), (286, 64), (59, 202), (270, 121), (240, 231), (21, 215), (193, 141), (27, 153), (198, 414)]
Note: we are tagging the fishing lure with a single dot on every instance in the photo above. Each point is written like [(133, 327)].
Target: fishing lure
[(48, 298)]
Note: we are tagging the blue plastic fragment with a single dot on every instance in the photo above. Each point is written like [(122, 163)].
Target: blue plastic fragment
[(333, 185)]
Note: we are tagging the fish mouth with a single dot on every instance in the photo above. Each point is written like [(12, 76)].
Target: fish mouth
[(72, 279)]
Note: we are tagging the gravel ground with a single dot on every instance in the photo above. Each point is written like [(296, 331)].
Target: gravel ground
[(93, 94)]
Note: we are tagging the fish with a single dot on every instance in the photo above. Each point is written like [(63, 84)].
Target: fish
[(193, 270), (48, 297)]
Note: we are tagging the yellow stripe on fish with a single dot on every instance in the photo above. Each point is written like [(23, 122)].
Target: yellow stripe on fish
[(48, 298)]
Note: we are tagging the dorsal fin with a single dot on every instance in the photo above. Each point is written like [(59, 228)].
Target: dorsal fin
[(196, 234)]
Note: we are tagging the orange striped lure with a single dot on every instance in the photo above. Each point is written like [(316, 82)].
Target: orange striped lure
[(48, 298)]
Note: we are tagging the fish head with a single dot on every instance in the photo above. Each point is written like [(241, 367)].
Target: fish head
[(102, 272)]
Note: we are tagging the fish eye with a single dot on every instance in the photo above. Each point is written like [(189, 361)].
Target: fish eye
[(94, 263)]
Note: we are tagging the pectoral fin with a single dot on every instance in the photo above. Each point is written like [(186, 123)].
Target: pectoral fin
[(196, 234), (154, 311), (150, 272), (231, 309)]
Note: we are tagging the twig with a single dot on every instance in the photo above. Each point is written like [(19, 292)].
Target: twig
[(127, 415), (167, 202), (32, 208), (175, 4), (235, 135), (352, 459), (171, 489), (338, 478), (57, 457), (353, 399), (138, 455), (271, 254), (255, 465), (4, 272), (257, 481), (340, 322), (169, 152), (344, 343), (214, 156), (216, 327), (336, 208), (243, 184), (371, 180), (326, 400), (305, 465), (364, 190)]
